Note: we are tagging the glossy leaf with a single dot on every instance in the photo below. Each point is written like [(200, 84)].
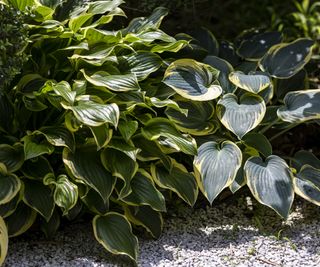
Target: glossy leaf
[(114, 233), (102, 135), (270, 181), (286, 59), (259, 142), (243, 115), (35, 146), (216, 166), (300, 106), (4, 241), (253, 82), (193, 80), (12, 156), (9, 187)]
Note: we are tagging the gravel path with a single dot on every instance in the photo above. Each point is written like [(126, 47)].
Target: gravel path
[(223, 235)]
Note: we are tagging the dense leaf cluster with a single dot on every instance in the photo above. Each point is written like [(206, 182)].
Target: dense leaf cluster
[(13, 40), (110, 122)]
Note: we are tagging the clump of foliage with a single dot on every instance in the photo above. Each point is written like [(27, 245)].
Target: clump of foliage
[(106, 122), (13, 40)]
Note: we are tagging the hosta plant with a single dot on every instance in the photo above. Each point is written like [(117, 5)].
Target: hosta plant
[(110, 121)]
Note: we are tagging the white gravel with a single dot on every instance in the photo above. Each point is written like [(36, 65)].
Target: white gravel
[(226, 234)]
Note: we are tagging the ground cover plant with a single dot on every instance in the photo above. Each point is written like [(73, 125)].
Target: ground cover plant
[(114, 122)]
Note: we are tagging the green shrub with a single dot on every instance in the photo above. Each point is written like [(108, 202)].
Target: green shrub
[(105, 122), (13, 40)]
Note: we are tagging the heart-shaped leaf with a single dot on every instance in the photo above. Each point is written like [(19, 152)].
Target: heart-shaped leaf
[(241, 116), (199, 119), (307, 184), (85, 164), (270, 182), (179, 180), (254, 47), (216, 166), (259, 142), (193, 80), (9, 187), (286, 59), (300, 106), (253, 82), (144, 192), (34, 146), (39, 197), (159, 127), (114, 233)]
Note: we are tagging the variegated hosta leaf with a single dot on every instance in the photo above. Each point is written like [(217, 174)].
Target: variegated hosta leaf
[(117, 83), (93, 113), (178, 180), (21, 220), (207, 40), (85, 164), (286, 59), (225, 68), (65, 193), (39, 197), (114, 233), (102, 135), (37, 168), (267, 94), (162, 128), (216, 166), (144, 192), (9, 208), (50, 228), (198, 120), (95, 202), (140, 64), (270, 182), (300, 106), (259, 142), (243, 115), (10, 185), (307, 184), (146, 217), (120, 165), (254, 47), (193, 80), (128, 128), (62, 90), (12, 156), (58, 136), (253, 82), (34, 146), (4, 240)]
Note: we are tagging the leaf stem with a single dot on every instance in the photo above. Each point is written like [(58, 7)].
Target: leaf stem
[(267, 127), (282, 132)]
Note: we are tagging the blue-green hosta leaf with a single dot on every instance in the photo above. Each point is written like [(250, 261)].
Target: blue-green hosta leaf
[(102, 135), (21, 220), (92, 113), (4, 241), (114, 233), (300, 106), (243, 115), (141, 64), (35, 146), (307, 184), (127, 128), (36, 168), (120, 165), (58, 136), (65, 193), (193, 80), (169, 103), (158, 128), (207, 40), (259, 142), (178, 180), (225, 68), (142, 24), (9, 187), (39, 197), (144, 192), (199, 119), (85, 164), (286, 59), (255, 47), (146, 217), (304, 157), (267, 94), (253, 82), (270, 182), (12, 156), (117, 83), (171, 47), (295, 83), (227, 52), (216, 166)]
